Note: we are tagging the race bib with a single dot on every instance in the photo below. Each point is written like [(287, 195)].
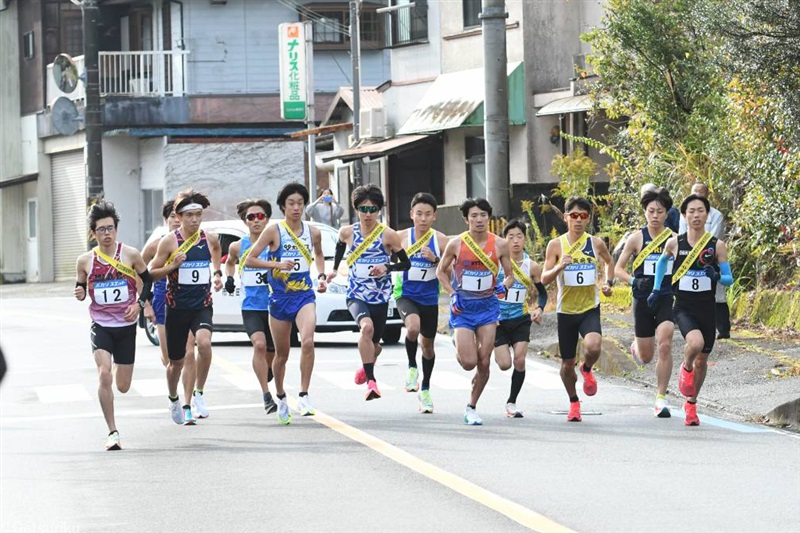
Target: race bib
[(111, 292), (476, 280), (254, 277), (194, 273), (363, 267), (695, 281), (300, 265), (650, 265), (579, 275), (516, 296), (421, 271)]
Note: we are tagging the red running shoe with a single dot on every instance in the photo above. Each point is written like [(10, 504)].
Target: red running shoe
[(686, 382), (691, 414), (372, 391), (589, 383), (361, 376), (574, 412)]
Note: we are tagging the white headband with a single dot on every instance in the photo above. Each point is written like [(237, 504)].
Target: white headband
[(190, 207)]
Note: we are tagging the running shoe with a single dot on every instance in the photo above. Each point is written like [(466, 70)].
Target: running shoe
[(176, 412), (425, 402), (471, 417), (188, 418), (112, 442), (661, 408), (199, 403), (691, 414), (284, 416), (686, 382), (412, 378), (512, 411), (635, 354), (270, 406), (361, 376), (372, 391), (304, 406), (589, 382), (574, 412)]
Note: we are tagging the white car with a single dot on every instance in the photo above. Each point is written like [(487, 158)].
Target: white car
[(332, 312)]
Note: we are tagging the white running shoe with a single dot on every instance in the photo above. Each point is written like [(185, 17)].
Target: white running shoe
[(176, 411), (188, 418), (662, 409), (471, 417), (512, 411), (112, 442), (284, 416), (304, 406), (199, 404)]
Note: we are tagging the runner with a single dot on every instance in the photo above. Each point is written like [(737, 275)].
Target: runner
[(516, 316), (293, 245), (369, 286), (572, 259), (416, 292), (701, 261), (474, 310), (255, 305), (184, 256), (645, 247), (108, 273)]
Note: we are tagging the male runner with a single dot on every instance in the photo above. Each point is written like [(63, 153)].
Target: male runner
[(572, 260), (645, 247), (472, 259), (701, 261), (369, 286), (293, 245), (516, 315), (184, 256), (416, 292), (255, 305), (108, 273)]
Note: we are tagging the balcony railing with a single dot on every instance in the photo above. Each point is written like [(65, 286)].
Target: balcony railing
[(143, 73), (53, 92)]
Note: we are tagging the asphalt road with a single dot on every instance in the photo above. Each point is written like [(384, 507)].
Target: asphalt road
[(362, 466)]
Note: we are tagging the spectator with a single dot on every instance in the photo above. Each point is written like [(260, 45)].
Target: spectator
[(325, 210)]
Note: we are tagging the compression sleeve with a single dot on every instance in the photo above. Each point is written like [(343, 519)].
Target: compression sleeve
[(147, 285), (403, 262), (726, 276), (661, 271), (542, 301), (337, 259)]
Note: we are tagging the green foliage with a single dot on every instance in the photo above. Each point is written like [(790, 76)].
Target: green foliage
[(575, 172)]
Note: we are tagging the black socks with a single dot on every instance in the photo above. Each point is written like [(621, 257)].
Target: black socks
[(427, 369), (369, 370), (411, 352), (517, 379)]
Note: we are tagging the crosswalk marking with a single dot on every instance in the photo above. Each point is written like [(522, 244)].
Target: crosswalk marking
[(242, 381), (344, 380), (62, 393), (150, 387), (450, 380)]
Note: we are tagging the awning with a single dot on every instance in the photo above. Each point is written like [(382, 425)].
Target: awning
[(562, 106), (455, 97), (379, 149)]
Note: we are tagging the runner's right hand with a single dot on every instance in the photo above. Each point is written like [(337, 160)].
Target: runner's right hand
[(455, 304), (652, 300), (178, 260), (230, 285), (643, 284)]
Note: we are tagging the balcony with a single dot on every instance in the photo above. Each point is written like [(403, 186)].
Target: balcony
[(143, 73)]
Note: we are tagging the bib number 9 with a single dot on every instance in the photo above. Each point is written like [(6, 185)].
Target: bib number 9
[(194, 275)]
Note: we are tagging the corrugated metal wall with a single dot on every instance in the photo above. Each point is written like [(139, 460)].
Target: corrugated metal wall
[(69, 212)]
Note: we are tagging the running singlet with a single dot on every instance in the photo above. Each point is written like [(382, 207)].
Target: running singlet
[(695, 287), (254, 280), (189, 286), (419, 283), (298, 279), (577, 291), (648, 268), (362, 286), (111, 292), (471, 278), (515, 304), (160, 289)]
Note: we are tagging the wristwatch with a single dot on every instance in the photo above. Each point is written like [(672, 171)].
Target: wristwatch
[(142, 303), (218, 273)]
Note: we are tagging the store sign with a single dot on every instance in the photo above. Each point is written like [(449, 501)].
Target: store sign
[(292, 50)]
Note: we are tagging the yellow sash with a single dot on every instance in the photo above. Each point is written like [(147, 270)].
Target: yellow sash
[(422, 241), (650, 248), (187, 244), (577, 245), (301, 246), (691, 258), (372, 237), (521, 276), (243, 258), (122, 268), (479, 253)]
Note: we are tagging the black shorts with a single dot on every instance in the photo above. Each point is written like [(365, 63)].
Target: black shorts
[(514, 330), (698, 317), (179, 322), (258, 322), (570, 326), (428, 315), (645, 322), (377, 312), (120, 342)]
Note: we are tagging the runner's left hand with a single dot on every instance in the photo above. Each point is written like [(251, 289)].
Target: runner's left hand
[(149, 314), (132, 312), (217, 283), (536, 315), (606, 290)]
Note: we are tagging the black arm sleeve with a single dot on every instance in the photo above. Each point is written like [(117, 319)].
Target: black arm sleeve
[(403, 262), (147, 285), (542, 301), (337, 259)]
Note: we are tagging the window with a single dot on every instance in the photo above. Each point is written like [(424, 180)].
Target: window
[(331, 23), (152, 200), (27, 45), (475, 150), (409, 25), (472, 11)]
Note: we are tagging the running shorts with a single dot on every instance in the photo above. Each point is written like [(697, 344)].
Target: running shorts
[(476, 313), (284, 307), (513, 330), (698, 317), (570, 326), (120, 342), (428, 315), (178, 324), (645, 321), (258, 322), (377, 312)]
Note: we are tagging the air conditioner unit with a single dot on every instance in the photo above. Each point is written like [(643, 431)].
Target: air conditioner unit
[(372, 123)]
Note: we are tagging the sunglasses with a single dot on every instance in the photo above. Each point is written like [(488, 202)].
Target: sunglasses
[(575, 216), (368, 208), (256, 216)]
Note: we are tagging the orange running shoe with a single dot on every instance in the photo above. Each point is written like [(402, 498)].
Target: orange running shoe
[(361, 376), (589, 382), (686, 382), (574, 412), (691, 414), (372, 391)]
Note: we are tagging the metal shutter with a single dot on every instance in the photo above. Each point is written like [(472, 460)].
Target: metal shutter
[(69, 212)]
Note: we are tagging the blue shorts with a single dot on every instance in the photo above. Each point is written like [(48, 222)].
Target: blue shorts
[(285, 307), (476, 313), (159, 307)]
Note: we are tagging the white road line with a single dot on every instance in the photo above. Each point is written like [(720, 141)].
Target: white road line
[(62, 393), (451, 380), (150, 387), (344, 380)]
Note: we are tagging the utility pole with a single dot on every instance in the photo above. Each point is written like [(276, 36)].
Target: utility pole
[(495, 122), (94, 110), (310, 121), (355, 58)]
